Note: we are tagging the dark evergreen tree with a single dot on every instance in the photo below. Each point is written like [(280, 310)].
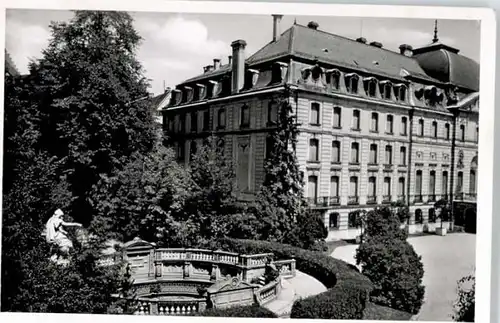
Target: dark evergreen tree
[(391, 263)]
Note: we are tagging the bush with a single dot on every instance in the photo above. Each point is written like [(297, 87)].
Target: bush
[(465, 305), (240, 311), (348, 289), (391, 263)]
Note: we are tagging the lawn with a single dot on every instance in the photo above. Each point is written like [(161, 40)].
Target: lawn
[(378, 312)]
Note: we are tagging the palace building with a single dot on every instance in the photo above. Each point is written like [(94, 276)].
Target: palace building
[(376, 126)]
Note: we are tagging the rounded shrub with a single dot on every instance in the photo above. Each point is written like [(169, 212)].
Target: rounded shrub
[(240, 311), (348, 289), (464, 307), (391, 263)]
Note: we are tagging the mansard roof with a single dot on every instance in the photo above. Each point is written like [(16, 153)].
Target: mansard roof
[(304, 42)]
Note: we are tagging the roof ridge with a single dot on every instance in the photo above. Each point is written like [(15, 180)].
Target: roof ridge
[(292, 39), (354, 41)]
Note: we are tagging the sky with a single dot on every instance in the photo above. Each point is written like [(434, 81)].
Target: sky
[(175, 47)]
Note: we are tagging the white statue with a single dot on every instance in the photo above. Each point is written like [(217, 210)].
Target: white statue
[(55, 232)]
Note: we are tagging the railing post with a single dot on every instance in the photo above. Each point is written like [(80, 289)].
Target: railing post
[(153, 308)]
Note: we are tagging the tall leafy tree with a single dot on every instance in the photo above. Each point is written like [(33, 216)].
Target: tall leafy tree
[(213, 207), (88, 88), (280, 200)]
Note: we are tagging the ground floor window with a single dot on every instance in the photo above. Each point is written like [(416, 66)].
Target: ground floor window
[(419, 219), (432, 215), (334, 220), (352, 221)]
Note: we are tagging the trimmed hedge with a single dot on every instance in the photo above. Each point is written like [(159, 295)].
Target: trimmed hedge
[(240, 311), (348, 289)]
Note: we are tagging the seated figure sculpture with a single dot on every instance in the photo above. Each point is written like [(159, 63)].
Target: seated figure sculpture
[(55, 233)]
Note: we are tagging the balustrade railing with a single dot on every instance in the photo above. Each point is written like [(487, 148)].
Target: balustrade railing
[(401, 198), (371, 199), (269, 292), (431, 198), (286, 268), (179, 307), (386, 198), (353, 199)]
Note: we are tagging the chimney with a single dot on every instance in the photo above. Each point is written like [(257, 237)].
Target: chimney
[(230, 59), (216, 63), (406, 50), (238, 65), (361, 40), (276, 27), (376, 44), (313, 25)]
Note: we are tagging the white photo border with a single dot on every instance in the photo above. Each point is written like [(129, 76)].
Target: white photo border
[(486, 118)]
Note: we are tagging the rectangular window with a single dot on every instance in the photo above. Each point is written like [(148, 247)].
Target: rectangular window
[(372, 186), (355, 152), (401, 187), (447, 131), (434, 129), (245, 116), (221, 118), (472, 182), (402, 156), (373, 154), (355, 119), (374, 125), (315, 110), (182, 123), (272, 113), (206, 120), (269, 146), (418, 183), (334, 186), (387, 188), (336, 151), (476, 137), (404, 126), (334, 220), (194, 122), (388, 155), (432, 184), (337, 116), (460, 182), (181, 150), (312, 184), (353, 186), (444, 187), (313, 149), (390, 124)]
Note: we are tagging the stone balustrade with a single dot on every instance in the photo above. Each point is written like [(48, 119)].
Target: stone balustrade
[(174, 307), (269, 292)]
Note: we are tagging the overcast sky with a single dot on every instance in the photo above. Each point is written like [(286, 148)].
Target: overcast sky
[(175, 47)]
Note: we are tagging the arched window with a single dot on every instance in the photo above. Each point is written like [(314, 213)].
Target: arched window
[(462, 132), (371, 87), (351, 81), (447, 131), (402, 156), (421, 127), (312, 183), (434, 129), (192, 149), (372, 190), (386, 90), (418, 186), (400, 93)]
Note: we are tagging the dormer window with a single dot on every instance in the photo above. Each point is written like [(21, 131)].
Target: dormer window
[(371, 86), (333, 79), (386, 90), (316, 73), (400, 92), (351, 82)]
